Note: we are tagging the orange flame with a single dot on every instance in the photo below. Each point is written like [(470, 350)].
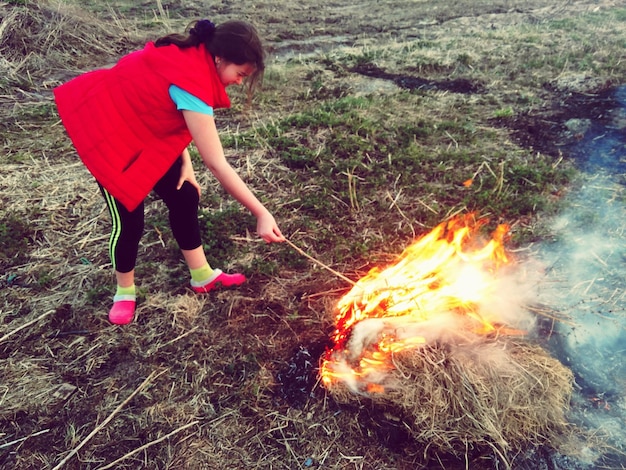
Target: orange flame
[(437, 283)]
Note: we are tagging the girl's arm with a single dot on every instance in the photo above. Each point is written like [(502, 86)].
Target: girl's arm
[(187, 173), (205, 136)]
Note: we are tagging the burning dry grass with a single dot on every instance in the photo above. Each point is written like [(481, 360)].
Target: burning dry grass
[(409, 338), (501, 393)]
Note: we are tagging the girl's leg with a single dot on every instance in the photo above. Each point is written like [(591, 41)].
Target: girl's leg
[(125, 279), (195, 258), (127, 228), (183, 208), (183, 215)]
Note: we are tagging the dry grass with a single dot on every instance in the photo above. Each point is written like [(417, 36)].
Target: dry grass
[(500, 392), (49, 40), (193, 383)]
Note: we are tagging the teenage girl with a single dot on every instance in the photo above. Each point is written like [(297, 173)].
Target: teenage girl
[(131, 125)]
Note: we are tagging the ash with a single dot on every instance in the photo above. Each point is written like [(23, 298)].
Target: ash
[(300, 375)]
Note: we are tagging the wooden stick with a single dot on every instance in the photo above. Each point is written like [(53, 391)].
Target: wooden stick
[(149, 444), (320, 263), (25, 325), (98, 428)]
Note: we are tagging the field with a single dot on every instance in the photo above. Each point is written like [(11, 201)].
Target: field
[(371, 118)]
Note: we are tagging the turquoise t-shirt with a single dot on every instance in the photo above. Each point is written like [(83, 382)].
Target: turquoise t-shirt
[(189, 102)]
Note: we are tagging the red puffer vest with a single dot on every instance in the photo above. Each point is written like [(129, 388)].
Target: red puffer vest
[(123, 123)]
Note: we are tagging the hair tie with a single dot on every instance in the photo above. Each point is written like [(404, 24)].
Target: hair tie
[(204, 29)]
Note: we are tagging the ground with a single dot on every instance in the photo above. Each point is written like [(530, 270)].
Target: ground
[(228, 380)]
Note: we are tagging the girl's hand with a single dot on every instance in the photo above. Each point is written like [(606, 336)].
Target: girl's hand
[(205, 136), (267, 228), (187, 173)]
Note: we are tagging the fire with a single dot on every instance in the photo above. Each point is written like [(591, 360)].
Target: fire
[(436, 289)]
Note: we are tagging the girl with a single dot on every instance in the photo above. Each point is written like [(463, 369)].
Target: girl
[(131, 125)]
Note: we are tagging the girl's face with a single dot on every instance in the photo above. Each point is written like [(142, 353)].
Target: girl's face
[(232, 74)]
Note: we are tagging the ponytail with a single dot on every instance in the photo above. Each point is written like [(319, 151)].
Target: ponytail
[(200, 32)]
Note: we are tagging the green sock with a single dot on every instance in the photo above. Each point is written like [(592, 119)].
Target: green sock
[(199, 276), (124, 293)]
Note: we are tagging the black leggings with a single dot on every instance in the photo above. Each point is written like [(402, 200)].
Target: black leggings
[(127, 227)]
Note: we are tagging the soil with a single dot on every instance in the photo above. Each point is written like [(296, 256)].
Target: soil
[(294, 29)]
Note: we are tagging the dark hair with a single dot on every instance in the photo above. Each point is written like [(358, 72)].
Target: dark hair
[(234, 41)]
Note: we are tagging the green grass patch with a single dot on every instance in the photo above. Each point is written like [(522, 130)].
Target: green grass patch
[(349, 162), (217, 228)]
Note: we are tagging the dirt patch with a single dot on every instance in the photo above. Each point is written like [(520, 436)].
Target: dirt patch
[(459, 85), (563, 120)]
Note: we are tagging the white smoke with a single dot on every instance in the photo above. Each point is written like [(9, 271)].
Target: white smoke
[(586, 285)]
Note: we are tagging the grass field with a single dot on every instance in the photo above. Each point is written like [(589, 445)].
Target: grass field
[(371, 118)]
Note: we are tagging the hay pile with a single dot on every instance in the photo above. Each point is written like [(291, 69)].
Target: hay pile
[(497, 393)]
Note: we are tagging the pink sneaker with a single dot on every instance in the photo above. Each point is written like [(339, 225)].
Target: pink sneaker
[(122, 312), (219, 278)]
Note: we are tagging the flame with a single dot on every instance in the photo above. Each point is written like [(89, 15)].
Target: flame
[(435, 289)]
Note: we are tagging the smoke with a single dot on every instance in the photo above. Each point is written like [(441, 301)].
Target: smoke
[(501, 300), (586, 280), (443, 326), (503, 303), (513, 292), (585, 285)]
